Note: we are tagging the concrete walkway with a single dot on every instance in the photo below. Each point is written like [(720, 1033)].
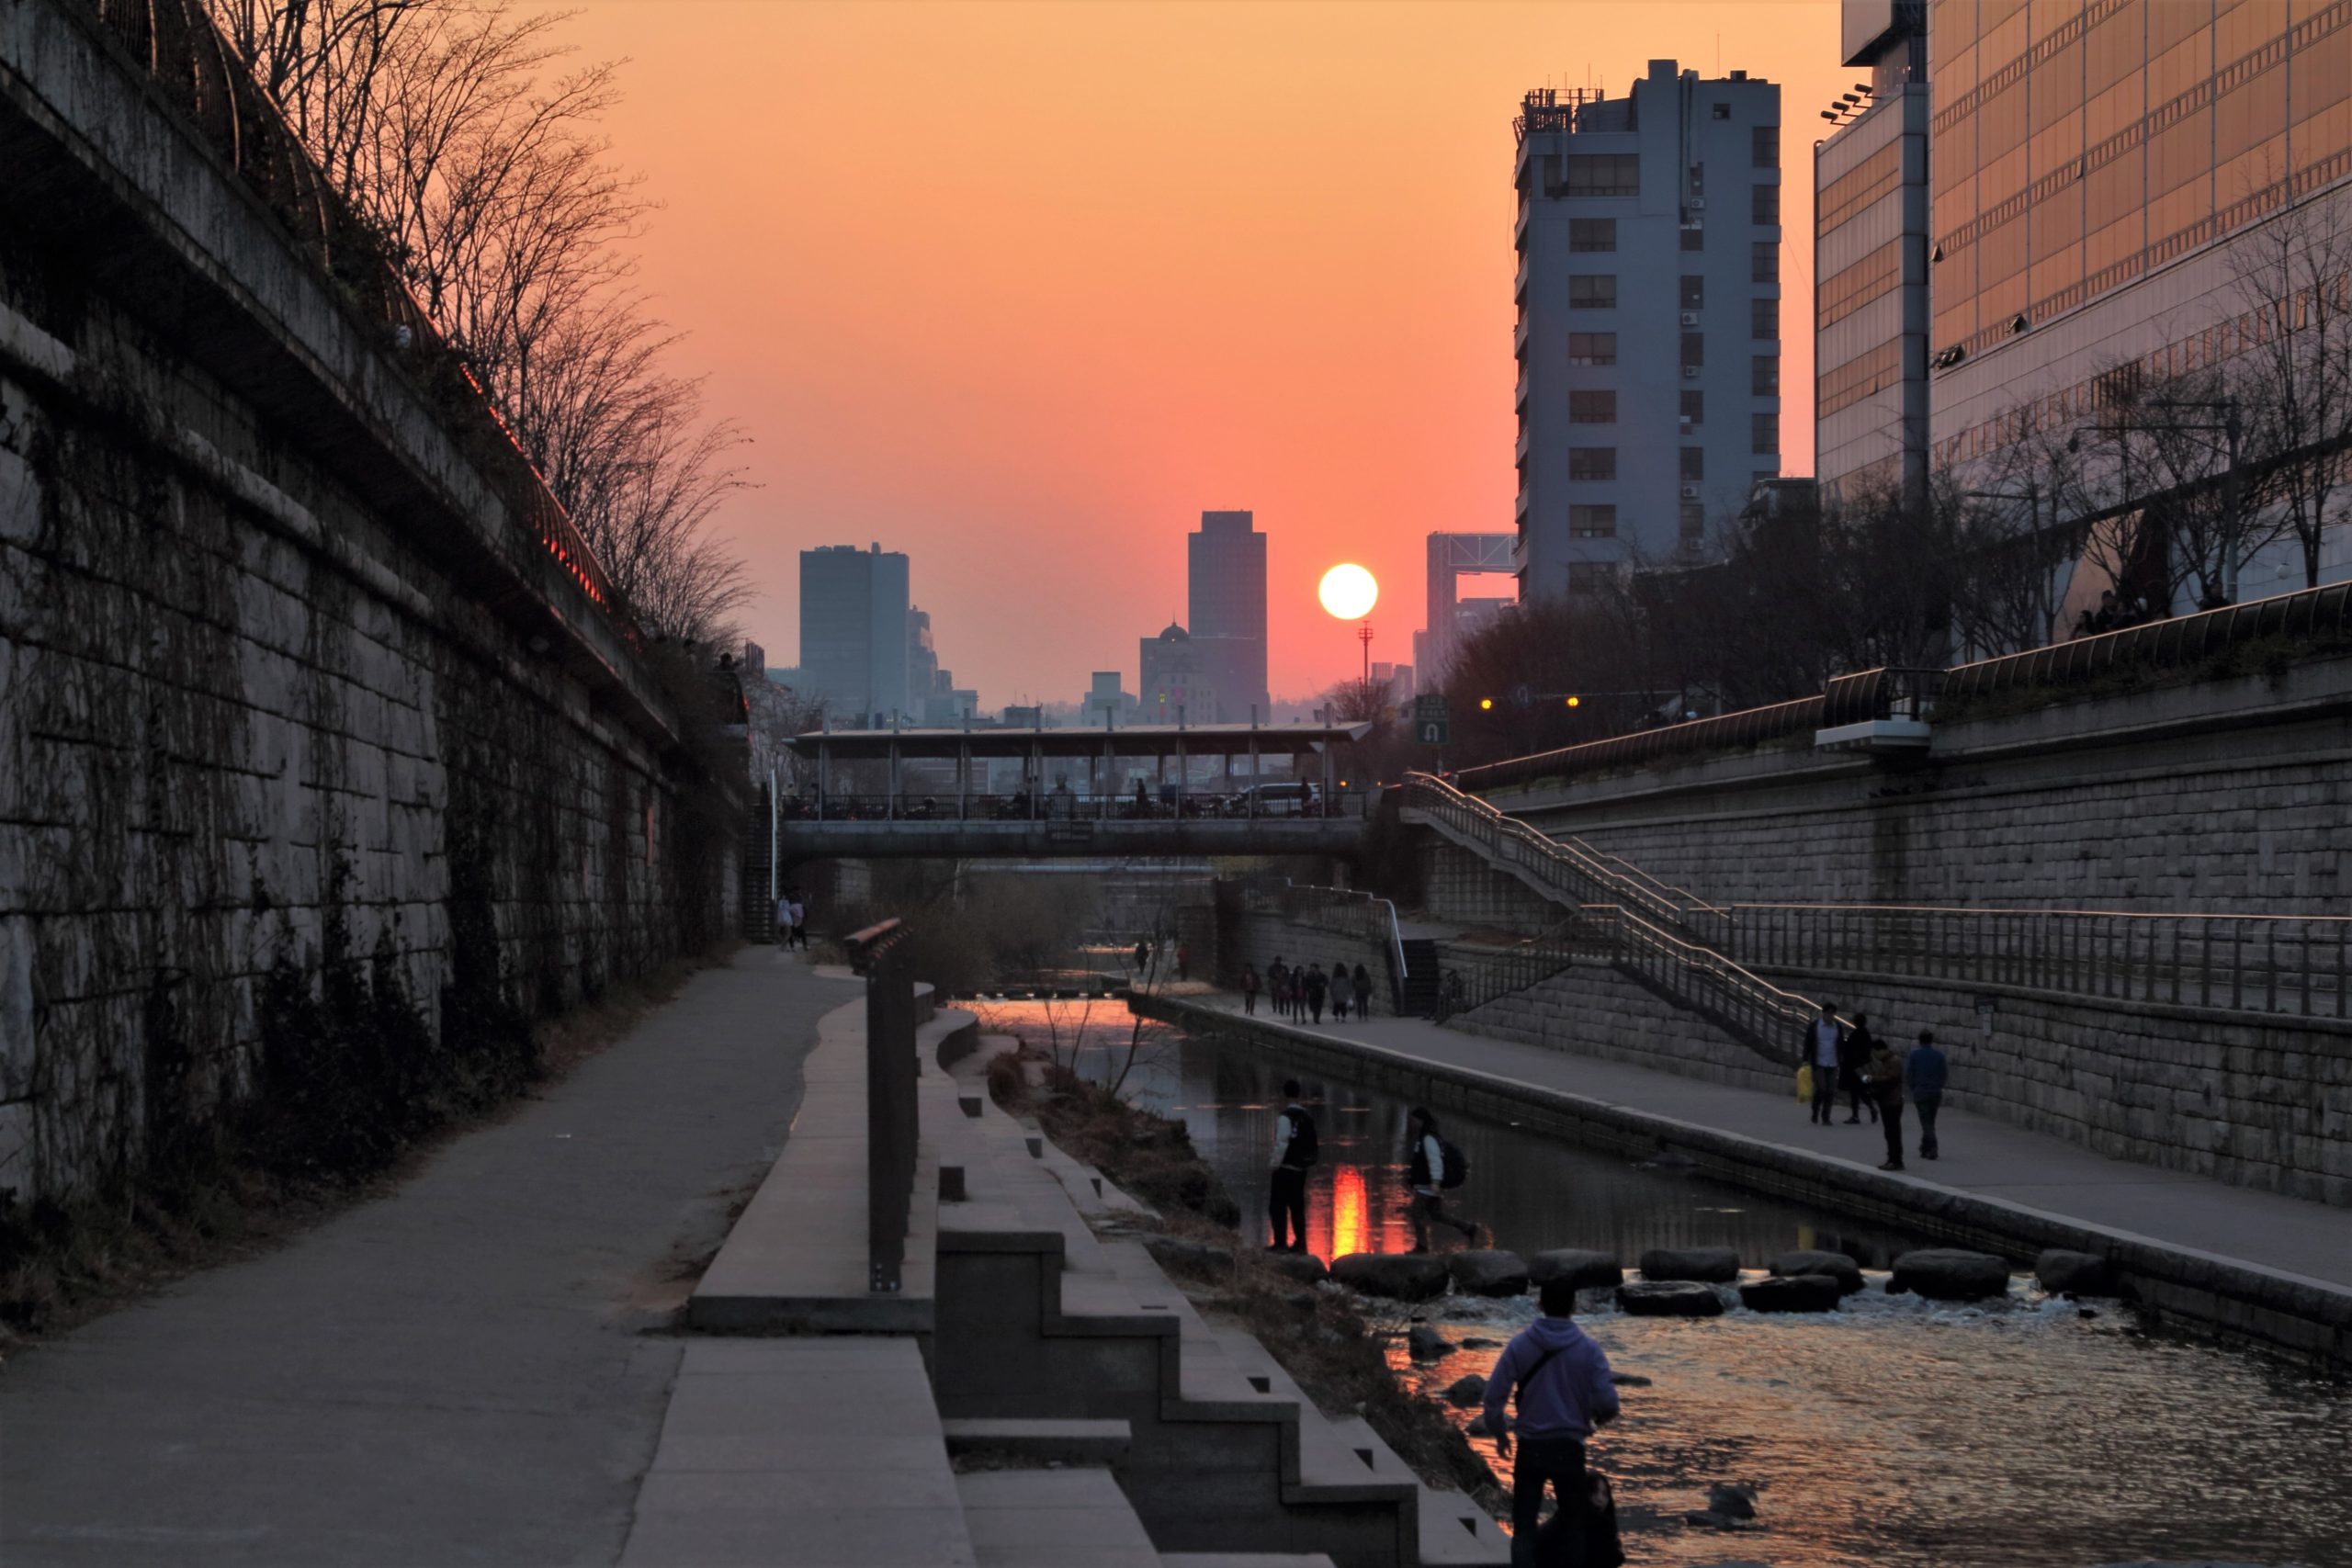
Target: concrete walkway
[(457, 1373), (1980, 1156)]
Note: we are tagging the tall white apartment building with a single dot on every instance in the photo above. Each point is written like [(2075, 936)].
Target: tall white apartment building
[(1649, 337)]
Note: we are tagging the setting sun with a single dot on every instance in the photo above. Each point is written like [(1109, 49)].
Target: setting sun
[(1349, 592)]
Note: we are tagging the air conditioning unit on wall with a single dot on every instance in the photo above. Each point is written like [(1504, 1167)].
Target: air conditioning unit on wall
[(1698, 204), (1689, 492), (1689, 372), (1690, 318)]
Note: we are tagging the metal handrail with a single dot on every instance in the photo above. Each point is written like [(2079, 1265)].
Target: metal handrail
[(190, 70), (879, 953), (1364, 914), (1769, 1019), (2282, 964)]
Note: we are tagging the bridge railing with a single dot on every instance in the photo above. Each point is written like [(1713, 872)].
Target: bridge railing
[(190, 67), (2296, 966), (879, 953), (1074, 805)]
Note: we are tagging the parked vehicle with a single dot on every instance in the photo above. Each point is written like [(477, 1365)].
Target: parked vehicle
[(1297, 799)]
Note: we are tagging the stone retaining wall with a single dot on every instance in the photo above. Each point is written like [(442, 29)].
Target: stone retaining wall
[(1261, 939), (274, 662), (1590, 1008)]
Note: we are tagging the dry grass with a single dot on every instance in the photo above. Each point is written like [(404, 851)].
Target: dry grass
[(1330, 1341), (62, 1266)]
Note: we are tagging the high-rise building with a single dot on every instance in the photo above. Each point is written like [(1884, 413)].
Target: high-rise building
[(1869, 253), (2105, 174), (1226, 602), (854, 630), (922, 660), (1176, 687), (1649, 320)]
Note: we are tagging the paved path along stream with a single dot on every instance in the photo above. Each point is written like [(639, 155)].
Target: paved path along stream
[(1980, 1156), (458, 1372)]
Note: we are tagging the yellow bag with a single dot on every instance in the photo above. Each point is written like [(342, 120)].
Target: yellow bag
[(1805, 1084)]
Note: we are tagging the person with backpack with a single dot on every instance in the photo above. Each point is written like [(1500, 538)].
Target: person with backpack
[(1559, 1378), (1295, 1155), (1432, 1165)]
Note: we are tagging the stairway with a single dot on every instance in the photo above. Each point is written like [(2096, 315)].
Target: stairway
[(1047, 1334), (1421, 976)]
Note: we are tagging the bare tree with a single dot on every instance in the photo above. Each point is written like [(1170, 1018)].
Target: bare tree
[(2016, 544), (453, 126), (2294, 378)]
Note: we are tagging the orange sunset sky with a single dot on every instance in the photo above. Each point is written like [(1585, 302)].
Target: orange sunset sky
[(1021, 288)]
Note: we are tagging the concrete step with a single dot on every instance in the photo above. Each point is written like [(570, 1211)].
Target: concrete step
[(800, 1453), (1039, 1442), (1244, 1560), (1052, 1518)]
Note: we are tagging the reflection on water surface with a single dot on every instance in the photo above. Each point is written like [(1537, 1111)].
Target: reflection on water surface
[(2019, 1434)]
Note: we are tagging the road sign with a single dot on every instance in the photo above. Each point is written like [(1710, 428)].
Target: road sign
[(1429, 706), (1431, 731), (1522, 696)]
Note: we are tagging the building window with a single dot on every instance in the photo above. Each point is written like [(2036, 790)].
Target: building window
[(1554, 187), (1721, 111), (1764, 319), (1764, 146), (1592, 291), (1764, 261), (1694, 464), (1764, 434), (1693, 520), (1693, 237), (1594, 408), (1593, 348), (1764, 204), (1592, 522), (1698, 179), (1604, 174), (1694, 291), (1592, 462), (1592, 576), (1694, 348), (1694, 408), (1764, 376), (1592, 234)]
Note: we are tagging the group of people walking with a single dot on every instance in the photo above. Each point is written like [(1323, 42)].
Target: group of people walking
[(1302, 992), (1852, 1059), (792, 920)]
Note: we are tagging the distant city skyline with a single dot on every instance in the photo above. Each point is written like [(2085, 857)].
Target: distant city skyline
[(1167, 271)]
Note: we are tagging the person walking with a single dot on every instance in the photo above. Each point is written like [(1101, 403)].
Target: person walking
[(1183, 961), (1294, 1155), (1363, 992), (1425, 1173), (1853, 1051), (1318, 983), (1884, 1076), (1923, 1074), (1143, 960), (1277, 973), (1559, 1378), (1249, 990), (784, 920), (1823, 1037), (800, 919), (1343, 991)]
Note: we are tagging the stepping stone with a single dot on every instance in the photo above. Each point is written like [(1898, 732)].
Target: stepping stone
[(1584, 1269), (1403, 1277), (1665, 1298), (1711, 1265), (2062, 1273), (1797, 1292), (1949, 1274), (1836, 1265), (1487, 1272)]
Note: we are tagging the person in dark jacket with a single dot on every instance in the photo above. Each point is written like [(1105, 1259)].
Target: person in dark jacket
[(1363, 992), (1343, 992), (1317, 985), (1294, 1146), (1853, 1051), (1425, 1174), (1883, 1076), (1249, 989), (1563, 1388), (1923, 1074), (1278, 985)]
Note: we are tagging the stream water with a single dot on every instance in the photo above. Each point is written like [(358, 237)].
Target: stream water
[(1890, 1434)]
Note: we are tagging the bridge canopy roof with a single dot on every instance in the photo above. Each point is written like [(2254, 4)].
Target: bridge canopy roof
[(1132, 741)]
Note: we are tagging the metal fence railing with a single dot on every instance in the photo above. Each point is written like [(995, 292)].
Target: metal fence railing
[(2293, 964), (879, 953), (1633, 920), (1070, 806), (190, 68)]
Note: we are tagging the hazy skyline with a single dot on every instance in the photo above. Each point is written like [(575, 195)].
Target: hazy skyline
[(1020, 289)]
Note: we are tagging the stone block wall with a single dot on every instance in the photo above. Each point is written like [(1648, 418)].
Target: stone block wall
[(1458, 886), (1591, 1010), (1261, 939), (2224, 796), (2259, 1102), (240, 685)]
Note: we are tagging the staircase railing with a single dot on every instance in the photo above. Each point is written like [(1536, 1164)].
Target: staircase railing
[(2292, 965), (1632, 923)]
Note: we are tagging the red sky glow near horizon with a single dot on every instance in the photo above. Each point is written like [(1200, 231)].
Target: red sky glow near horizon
[(1022, 288)]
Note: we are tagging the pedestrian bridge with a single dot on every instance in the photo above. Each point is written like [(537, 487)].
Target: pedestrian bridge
[(1151, 790)]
